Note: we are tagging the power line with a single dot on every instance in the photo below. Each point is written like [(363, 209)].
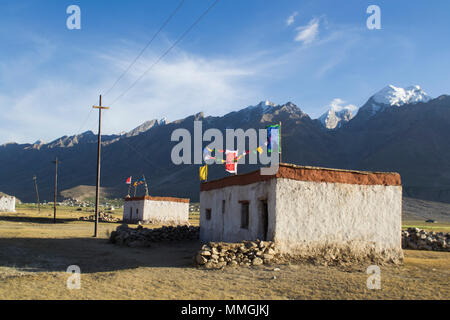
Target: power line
[(166, 22), (167, 51), (84, 122), (145, 48)]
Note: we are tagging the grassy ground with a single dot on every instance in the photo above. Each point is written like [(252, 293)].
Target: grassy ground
[(35, 253)]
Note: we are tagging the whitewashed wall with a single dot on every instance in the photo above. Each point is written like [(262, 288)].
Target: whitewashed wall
[(133, 211), (166, 211), (156, 211), (227, 227), (7, 204), (316, 215)]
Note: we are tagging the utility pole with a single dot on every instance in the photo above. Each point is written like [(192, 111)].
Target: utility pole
[(56, 188), (37, 193), (99, 149)]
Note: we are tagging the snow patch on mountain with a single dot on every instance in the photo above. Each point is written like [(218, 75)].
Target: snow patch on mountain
[(337, 114), (394, 96), (265, 106), (391, 96)]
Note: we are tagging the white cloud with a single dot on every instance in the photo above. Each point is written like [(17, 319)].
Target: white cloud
[(179, 86), (291, 19), (337, 105), (307, 34)]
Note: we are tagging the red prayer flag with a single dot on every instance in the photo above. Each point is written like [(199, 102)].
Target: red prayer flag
[(128, 180), (230, 163)]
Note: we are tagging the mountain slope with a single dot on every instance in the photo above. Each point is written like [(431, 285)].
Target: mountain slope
[(412, 139)]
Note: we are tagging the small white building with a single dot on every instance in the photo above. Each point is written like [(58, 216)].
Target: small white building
[(149, 209), (7, 203), (306, 210)]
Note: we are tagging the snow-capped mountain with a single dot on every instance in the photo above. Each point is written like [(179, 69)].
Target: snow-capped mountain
[(337, 115), (335, 118), (392, 96)]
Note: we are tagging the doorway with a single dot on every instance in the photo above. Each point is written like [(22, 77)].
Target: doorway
[(264, 218)]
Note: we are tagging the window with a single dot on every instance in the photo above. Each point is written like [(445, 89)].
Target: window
[(208, 214), (223, 206), (244, 215)]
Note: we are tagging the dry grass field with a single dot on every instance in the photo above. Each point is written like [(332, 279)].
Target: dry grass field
[(35, 253)]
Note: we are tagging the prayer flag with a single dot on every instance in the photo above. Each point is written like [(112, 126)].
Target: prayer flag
[(230, 162), (128, 180), (273, 136), (203, 173)]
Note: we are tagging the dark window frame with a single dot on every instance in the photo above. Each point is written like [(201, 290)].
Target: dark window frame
[(245, 214), (208, 214)]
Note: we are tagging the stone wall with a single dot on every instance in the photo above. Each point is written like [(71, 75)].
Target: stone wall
[(216, 255), (418, 239), (144, 237)]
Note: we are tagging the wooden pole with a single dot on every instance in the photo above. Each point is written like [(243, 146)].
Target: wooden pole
[(129, 189), (99, 149), (37, 193), (56, 189)]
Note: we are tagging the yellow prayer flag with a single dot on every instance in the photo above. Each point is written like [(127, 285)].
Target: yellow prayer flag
[(260, 150), (203, 173)]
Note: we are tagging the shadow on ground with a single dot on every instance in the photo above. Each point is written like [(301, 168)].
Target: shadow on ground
[(44, 220), (91, 255)]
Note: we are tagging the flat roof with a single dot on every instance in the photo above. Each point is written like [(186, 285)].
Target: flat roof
[(308, 173), (170, 199)]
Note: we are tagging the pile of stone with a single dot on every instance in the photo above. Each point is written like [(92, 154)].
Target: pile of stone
[(215, 255), (415, 238), (102, 217), (143, 237)]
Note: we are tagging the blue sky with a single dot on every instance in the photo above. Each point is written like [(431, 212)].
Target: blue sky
[(242, 52)]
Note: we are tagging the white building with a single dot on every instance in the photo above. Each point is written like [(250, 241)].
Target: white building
[(7, 203), (306, 210), (156, 210)]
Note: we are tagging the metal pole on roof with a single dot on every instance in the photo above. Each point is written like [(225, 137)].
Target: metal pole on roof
[(146, 186), (279, 147)]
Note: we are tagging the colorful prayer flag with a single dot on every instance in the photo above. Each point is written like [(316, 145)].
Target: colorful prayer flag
[(203, 173), (273, 135), (230, 162)]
